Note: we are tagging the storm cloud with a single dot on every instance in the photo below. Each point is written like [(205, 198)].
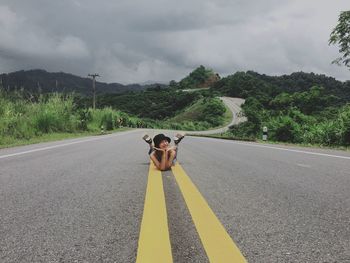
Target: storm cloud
[(135, 41)]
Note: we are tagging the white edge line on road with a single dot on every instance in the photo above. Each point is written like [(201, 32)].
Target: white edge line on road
[(57, 146), (284, 149), (100, 138)]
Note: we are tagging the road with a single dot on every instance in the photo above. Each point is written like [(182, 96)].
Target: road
[(234, 104), (82, 200)]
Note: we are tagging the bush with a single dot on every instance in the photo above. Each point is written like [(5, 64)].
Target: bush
[(55, 114), (107, 121), (105, 117), (46, 121), (253, 110), (344, 118), (244, 130), (84, 118), (284, 128), (213, 112), (325, 133), (13, 120)]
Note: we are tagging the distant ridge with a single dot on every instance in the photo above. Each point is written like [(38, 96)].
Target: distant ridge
[(38, 80)]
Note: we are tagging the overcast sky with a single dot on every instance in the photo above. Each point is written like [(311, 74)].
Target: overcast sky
[(133, 41)]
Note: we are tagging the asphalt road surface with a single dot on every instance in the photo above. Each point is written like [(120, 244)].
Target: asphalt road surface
[(234, 104), (82, 200)]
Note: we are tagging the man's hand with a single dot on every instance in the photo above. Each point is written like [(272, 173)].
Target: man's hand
[(167, 149), (161, 150)]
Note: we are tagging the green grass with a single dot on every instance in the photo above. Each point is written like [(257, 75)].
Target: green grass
[(54, 117), (308, 145), (195, 114), (7, 142), (191, 113), (227, 136), (228, 115)]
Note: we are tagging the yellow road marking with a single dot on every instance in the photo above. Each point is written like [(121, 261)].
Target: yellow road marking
[(216, 241), (154, 242)]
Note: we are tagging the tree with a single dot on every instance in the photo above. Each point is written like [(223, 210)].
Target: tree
[(173, 84), (341, 36)]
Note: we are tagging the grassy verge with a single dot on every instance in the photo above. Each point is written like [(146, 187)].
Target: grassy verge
[(53, 117), (11, 142), (307, 145), (228, 116), (204, 114), (225, 137), (230, 137), (191, 113)]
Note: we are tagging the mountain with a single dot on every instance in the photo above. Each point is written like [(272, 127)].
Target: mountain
[(198, 78), (42, 81)]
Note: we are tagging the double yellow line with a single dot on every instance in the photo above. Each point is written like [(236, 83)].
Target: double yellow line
[(154, 241)]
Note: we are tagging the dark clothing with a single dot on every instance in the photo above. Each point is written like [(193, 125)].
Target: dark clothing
[(158, 138)]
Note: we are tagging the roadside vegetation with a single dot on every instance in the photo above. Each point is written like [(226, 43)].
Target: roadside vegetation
[(28, 117), (301, 108), (293, 108), (23, 120), (154, 103)]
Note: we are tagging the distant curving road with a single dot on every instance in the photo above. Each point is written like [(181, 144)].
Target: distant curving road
[(234, 104)]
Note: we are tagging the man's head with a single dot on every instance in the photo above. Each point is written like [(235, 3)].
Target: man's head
[(161, 141)]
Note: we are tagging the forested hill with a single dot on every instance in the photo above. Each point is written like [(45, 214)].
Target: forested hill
[(252, 84), (44, 82)]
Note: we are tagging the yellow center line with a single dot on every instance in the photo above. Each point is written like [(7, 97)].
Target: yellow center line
[(217, 243), (154, 242)]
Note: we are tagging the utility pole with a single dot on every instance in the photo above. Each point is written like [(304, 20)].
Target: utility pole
[(94, 88)]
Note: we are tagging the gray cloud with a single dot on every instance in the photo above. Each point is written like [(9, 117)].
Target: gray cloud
[(135, 41)]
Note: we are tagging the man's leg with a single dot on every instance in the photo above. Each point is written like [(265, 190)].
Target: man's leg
[(148, 139), (173, 155), (178, 137), (150, 149)]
